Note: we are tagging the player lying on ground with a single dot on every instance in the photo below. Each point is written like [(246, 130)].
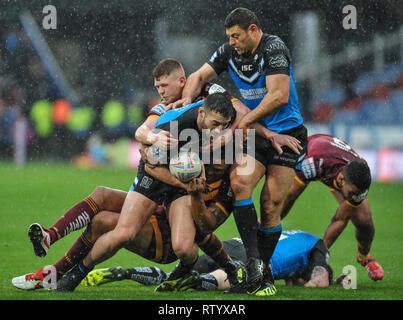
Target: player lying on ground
[(300, 259), (334, 163)]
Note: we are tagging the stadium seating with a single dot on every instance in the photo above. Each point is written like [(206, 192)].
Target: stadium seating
[(378, 100)]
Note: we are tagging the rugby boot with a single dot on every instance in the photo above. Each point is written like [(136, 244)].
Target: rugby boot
[(236, 272), (178, 274), (71, 279), (190, 282), (266, 287), (375, 271), (254, 277), (30, 281), (40, 239), (43, 278), (100, 276)]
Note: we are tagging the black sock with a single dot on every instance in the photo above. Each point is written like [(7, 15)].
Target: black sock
[(246, 221), (83, 269), (267, 241)]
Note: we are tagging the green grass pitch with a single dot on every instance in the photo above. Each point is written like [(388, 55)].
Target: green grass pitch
[(43, 192)]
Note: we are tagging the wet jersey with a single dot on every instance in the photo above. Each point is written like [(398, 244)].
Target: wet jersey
[(290, 258), (326, 158), (249, 73), (182, 124), (209, 88)]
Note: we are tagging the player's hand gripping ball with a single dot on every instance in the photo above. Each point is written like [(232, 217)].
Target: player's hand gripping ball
[(185, 166)]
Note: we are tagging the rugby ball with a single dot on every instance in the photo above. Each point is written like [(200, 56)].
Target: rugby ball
[(185, 166)]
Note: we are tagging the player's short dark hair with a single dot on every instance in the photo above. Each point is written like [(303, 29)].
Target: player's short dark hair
[(220, 103), (242, 17), (166, 67), (358, 174)]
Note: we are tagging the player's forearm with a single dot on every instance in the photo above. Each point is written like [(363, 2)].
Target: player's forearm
[(203, 218), (163, 174), (262, 131), (269, 105), (144, 135), (333, 231), (193, 87)]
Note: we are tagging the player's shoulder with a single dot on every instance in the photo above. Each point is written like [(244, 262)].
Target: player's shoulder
[(272, 44), (158, 109), (223, 51), (320, 137)]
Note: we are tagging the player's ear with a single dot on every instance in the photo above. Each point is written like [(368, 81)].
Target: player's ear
[(253, 28), (182, 81), (340, 178)]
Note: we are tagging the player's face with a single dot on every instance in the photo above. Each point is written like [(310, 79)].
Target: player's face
[(169, 87), (240, 39), (351, 192), (214, 121)]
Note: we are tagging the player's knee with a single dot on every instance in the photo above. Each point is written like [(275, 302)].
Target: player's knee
[(104, 222), (100, 195), (182, 249), (122, 236), (270, 205), (241, 185)]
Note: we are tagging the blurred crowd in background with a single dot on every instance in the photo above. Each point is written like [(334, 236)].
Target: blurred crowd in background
[(107, 53)]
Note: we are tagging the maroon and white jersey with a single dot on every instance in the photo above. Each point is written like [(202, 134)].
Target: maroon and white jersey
[(326, 157)]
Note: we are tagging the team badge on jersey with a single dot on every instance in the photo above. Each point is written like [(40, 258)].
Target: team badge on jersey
[(308, 168)]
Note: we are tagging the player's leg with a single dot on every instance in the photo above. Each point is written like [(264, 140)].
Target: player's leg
[(364, 232), (245, 213), (77, 217), (136, 210), (144, 275), (183, 234), (277, 184), (103, 222)]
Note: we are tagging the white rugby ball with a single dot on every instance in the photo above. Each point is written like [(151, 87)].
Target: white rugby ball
[(185, 166)]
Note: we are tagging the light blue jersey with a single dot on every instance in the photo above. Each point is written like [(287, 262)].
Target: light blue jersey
[(290, 258), (249, 74)]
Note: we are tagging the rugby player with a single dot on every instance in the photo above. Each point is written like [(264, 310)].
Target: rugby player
[(336, 164), (260, 66), (300, 258)]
